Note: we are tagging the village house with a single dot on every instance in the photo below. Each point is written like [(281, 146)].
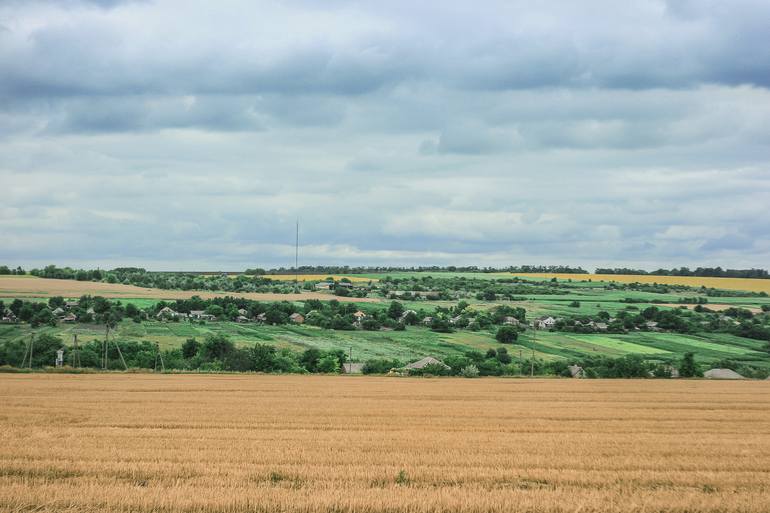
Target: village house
[(166, 313), (201, 315), (406, 314), (243, 312), (651, 325), (69, 305), (261, 318), (59, 312), (576, 371), (8, 316), (511, 321), (69, 318), (427, 321), (297, 318), (545, 323), (241, 319), (360, 316)]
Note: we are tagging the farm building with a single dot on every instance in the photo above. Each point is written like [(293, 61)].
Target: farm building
[(243, 312), (545, 323), (427, 321), (297, 318), (166, 313), (511, 321), (71, 317), (201, 315), (8, 316), (241, 319), (722, 374), (59, 312), (428, 360), (352, 368), (576, 371)]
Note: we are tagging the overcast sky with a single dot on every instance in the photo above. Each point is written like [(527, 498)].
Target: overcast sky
[(191, 135)]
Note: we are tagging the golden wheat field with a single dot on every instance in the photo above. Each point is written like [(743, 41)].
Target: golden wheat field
[(748, 284), (226, 443)]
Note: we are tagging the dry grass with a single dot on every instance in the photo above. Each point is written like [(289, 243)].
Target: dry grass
[(748, 284), (207, 444), (30, 286)]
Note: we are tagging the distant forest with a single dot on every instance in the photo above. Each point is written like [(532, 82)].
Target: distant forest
[(710, 272)]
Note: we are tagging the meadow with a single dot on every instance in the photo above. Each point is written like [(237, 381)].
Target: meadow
[(205, 444)]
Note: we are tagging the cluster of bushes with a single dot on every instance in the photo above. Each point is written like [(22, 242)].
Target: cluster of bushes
[(214, 353), (436, 288), (5, 270)]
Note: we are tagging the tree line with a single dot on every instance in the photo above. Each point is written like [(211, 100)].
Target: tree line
[(705, 272)]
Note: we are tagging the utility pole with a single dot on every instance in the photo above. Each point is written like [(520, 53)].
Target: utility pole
[(159, 355), (28, 351), (75, 353), (296, 257), (532, 359)]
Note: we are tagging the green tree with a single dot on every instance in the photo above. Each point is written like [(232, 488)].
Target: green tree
[(687, 367), (329, 364), (190, 348), (506, 335), (395, 310), (217, 347)]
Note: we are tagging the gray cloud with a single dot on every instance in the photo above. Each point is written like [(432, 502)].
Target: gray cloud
[(488, 134)]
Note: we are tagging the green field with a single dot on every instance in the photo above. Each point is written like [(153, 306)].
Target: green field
[(417, 342)]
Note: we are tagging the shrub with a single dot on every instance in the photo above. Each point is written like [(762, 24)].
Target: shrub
[(470, 371)]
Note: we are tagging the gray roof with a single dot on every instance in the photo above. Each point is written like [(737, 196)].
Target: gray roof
[(428, 360), (722, 374)]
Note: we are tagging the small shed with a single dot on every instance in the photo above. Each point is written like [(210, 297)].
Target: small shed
[(352, 368), (576, 371)]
